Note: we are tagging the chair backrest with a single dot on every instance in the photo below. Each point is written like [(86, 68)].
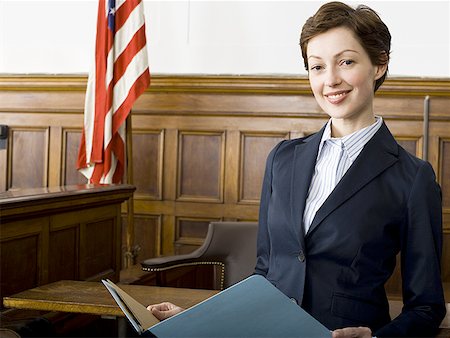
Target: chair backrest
[(230, 244), (234, 244)]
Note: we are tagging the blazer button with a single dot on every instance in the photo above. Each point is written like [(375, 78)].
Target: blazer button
[(301, 256)]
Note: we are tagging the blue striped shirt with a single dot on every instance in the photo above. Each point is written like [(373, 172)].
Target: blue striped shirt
[(334, 157)]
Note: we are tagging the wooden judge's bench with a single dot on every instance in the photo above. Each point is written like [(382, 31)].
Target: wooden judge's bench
[(67, 232)]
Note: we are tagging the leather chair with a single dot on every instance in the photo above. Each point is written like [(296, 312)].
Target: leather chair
[(7, 333), (231, 246)]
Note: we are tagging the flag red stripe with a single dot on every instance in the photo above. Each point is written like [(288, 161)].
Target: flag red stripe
[(124, 11), (136, 90), (136, 44), (103, 42)]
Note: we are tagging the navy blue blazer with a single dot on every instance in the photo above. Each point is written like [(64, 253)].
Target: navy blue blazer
[(388, 201)]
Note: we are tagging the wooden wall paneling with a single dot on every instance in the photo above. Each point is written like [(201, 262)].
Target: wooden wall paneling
[(440, 158), (399, 106), (411, 144), (148, 149), (4, 164), (409, 134), (200, 166), (168, 234), (55, 155), (445, 273), (148, 234), (444, 170), (444, 179), (232, 155), (71, 144), (296, 134), (307, 126), (255, 148), (440, 106), (44, 96), (28, 157), (205, 101), (190, 233), (170, 161)]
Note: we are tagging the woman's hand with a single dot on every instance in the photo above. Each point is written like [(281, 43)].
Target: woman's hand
[(164, 310), (352, 332)]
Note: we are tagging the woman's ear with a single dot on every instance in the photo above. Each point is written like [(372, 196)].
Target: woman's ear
[(380, 70), (382, 66)]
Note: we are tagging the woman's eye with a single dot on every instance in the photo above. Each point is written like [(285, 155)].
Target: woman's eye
[(316, 68), (347, 62)]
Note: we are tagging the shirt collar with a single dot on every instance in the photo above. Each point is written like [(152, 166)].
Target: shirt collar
[(354, 142)]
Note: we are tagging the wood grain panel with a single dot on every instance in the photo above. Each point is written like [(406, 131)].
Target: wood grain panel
[(148, 149), (96, 238), (410, 145), (190, 233), (28, 152), (254, 150), (200, 166), (408, 133), (63, 255), (70, 174), (191, 229), (147, 230), (19, 263), (3, 170), (399, 105), (444, 169)]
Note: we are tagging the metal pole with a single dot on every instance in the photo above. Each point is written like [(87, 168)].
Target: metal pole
[(426, 125), (129, 254)]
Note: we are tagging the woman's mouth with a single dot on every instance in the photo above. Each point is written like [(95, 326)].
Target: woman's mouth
[(337, 97)]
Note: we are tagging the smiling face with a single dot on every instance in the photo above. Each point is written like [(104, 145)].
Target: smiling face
[(342, 78)]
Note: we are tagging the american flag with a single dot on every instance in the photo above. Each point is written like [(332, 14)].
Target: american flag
[(120, 75)]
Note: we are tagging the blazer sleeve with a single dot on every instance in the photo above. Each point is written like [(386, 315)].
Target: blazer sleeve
[(263, 240), (421, 248)]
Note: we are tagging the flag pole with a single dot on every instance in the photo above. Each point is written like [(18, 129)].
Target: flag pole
[(130, 254)]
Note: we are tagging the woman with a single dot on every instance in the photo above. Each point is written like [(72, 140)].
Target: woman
[(337, 206)]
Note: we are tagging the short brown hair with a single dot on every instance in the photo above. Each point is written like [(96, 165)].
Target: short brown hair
[(364, 22)]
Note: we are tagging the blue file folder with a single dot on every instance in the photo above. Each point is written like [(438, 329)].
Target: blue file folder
[(250, 308)]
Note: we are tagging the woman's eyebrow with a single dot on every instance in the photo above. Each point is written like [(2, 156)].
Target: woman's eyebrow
[(346, 50), (336, 55)]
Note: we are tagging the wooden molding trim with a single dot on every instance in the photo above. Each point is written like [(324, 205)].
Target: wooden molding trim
[(257, 84)]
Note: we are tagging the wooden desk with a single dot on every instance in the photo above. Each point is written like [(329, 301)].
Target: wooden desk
[(57, 233), (93, 298)]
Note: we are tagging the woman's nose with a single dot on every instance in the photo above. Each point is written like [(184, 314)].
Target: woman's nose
[(332, 77)]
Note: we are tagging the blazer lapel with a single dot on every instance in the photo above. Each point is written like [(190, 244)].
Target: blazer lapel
[(378, 154), (305, 156)]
